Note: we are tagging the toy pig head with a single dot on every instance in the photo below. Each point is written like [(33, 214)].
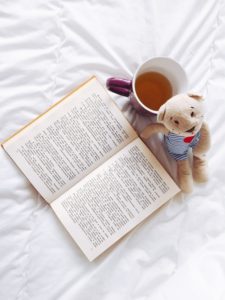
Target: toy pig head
[(182, 114)]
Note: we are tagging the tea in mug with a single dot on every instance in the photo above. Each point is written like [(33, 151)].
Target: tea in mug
[(153, 89)]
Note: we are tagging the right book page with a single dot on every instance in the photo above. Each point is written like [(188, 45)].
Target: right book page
[(114, 198)]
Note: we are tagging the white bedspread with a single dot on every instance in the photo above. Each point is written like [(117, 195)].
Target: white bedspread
[(47, 47)]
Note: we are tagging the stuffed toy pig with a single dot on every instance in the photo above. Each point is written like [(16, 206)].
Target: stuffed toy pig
[(181, 120)]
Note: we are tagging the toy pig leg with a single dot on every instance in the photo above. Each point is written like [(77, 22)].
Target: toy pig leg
[(200, 168), (185, 176)]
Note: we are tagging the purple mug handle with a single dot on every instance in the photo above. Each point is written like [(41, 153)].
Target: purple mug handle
[(119, 86), (123, 87)]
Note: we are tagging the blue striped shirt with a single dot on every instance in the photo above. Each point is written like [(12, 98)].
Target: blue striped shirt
[(178, 145)]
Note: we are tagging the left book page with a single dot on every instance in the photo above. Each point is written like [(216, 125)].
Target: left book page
[(75, 136)]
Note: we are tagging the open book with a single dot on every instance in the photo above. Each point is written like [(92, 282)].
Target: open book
[(89, 164)]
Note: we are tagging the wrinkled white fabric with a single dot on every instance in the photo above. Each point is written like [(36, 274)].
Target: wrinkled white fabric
[(46, 49)]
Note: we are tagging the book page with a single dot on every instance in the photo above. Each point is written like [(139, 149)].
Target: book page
[(62, 146), (114, 198)]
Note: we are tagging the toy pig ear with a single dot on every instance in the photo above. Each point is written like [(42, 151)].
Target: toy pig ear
[(196, 95), (161, 113)]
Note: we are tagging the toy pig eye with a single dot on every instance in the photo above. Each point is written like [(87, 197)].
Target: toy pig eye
[(192, 114), (176, 122)]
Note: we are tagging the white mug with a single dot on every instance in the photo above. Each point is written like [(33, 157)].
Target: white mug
[(166, 66)]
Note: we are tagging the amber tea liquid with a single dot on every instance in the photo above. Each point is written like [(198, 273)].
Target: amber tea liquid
[(153, 89)]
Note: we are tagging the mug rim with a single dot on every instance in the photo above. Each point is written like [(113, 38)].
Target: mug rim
[(137, 71)]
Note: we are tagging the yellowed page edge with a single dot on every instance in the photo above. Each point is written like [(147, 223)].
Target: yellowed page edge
[(46, 111)]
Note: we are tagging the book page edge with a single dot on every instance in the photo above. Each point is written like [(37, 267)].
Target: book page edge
[(48, 109)]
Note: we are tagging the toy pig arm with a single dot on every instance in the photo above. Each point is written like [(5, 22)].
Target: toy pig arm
[(152, 129), (204, 142)]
